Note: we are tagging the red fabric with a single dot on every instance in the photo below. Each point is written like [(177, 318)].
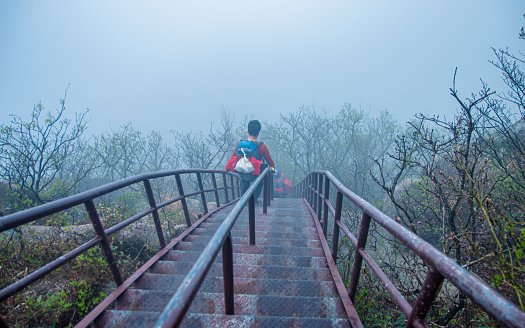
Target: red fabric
[(256, 165), (288, 186), (262, 152), (230, 166), (231, 163)]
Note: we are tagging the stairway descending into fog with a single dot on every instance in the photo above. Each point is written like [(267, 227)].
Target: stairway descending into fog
[(282, 281)]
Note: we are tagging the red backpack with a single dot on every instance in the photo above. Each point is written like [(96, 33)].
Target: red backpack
[(283, 186)]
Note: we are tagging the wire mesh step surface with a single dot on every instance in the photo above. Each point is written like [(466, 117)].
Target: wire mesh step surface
[(282, 281)]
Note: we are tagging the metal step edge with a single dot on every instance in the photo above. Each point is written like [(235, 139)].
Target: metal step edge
[(203, 244), (281, 218), (246, 240), (259, 233), (326, 288), (125, 319), (245, 223), (314, 244), (260, 305), (264, 227), (255, 249), (249, 271), (240, 258)]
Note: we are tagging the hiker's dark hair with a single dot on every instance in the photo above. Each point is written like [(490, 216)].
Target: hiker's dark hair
[(254, 127)]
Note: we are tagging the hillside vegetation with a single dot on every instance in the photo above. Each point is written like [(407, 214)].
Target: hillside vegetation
[(459, 183)]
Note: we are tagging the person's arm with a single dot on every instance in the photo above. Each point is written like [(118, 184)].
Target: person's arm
[(264, 153)]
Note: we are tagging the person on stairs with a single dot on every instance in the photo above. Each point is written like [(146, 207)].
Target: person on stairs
[(254, 152)]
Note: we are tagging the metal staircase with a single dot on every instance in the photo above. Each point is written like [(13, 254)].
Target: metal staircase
[(275, 269), (283, 281)]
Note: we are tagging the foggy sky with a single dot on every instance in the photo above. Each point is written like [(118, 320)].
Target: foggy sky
[(165, 65)]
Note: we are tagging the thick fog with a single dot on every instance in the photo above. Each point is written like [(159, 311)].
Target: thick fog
[(164, 65)]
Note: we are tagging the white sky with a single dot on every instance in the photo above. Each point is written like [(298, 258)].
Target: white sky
[(166, 65)]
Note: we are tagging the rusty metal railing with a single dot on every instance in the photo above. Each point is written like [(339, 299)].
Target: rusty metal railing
[(174, 312), (87, 198), (440, 266)]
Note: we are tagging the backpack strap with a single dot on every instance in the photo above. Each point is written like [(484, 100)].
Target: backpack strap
[(239, 150)]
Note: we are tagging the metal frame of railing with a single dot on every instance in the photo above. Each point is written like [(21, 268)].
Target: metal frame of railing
[(174, 312), (87, 198), (441, 267)]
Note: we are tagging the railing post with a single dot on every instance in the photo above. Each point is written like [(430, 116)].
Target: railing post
[(325, 205), (183, 200), (358, 259), (269, 189), (251, 218), (310, 189), (429, 290), (320, 198), (265, 195), (337, 218), (233, 187), (216, 191), (155, 214), (227, 270), (314, 189), (305, 189), (271, 186), (225, 187), (239, 186), (203, 196), (99, 230)]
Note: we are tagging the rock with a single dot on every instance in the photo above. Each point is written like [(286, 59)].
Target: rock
[(212, 206)]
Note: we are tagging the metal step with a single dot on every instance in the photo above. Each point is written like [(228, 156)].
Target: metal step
[(263, 225), (260, 241), (249, 271), (125, 319), (252, 259), (256, 286), (245, 304), (275, 219), (261, 234), (256, 249)]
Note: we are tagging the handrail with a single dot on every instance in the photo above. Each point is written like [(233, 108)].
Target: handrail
[(174, 312), (441, 266), (16, 219), (30, 215)]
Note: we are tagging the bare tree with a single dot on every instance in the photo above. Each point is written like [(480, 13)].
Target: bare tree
[(345, 144), (118, 152), (35, 153), (459, 184), (299, 139), (207, 151), (156, 155)]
